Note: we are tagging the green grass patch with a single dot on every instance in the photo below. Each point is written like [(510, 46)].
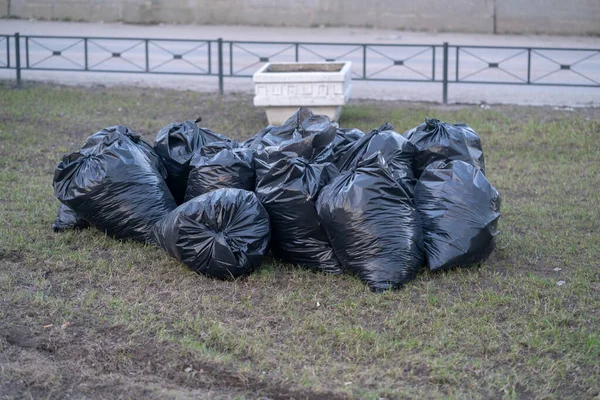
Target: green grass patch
[(83, 315)]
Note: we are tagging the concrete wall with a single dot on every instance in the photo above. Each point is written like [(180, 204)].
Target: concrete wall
[(3, 8), (486, 16), (548, 16)]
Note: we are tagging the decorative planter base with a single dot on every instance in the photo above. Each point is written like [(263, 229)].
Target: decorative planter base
[(278, 115), (323, 87)]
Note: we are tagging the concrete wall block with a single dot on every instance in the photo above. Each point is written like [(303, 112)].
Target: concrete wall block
[(548, 16), (138, 11), (17, 7), (40, 11), (257, 12), (106, 12), (72, 10), (3, 8), (463, 16), (173, 13), (546, 26)]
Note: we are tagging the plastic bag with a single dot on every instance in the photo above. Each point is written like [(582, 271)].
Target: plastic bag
[(229, 168), (176, 144), (67, 219), (221, 234), (115, 187), (302, 135), (343, 140), (372, 225), (304, 131), (99, 140), (440, 141), (289, 192), (459, 211), (396, 151), (212, 148)]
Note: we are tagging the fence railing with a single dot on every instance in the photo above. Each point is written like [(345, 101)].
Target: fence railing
[(423, 63)]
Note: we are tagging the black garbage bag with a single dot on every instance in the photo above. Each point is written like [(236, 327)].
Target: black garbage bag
[(99, 140), (266, 157), (304, 134), (304, 131), (397, 152), (176, 144), (343, 140), (372, 225), (440, 141), (116, 188), (229, 168), (67, 219), (289, 193), (221, 234), (212, 148), (459, 211)]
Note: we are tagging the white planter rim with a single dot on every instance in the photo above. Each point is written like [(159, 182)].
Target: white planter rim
[(263, 75)]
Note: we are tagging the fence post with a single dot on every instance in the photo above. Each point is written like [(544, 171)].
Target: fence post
[(18, 58), (364, 61), (220, 46), (445, 81), (147, 55), (529, 66), (85, 53)]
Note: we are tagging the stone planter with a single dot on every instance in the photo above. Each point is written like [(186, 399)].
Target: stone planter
[(323, 87)]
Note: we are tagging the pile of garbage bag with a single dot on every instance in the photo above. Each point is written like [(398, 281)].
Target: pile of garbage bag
[(381, 205)]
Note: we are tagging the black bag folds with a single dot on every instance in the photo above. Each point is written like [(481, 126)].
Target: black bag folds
[(229, 167), (289, 193), (299, 131), (459, 211), (115, 186), (440, 141), (396, 151), (343, 140), (372, 225), (68, 219), (176, 144), (221, 234), (99, 140), (302, 135)]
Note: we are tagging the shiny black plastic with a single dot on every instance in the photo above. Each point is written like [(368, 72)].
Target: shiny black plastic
[(440, 141), (303, 131), (176, 144), (67, 219), (343, 140), (459, 211), (96, 143), (221, 234), (304, 134), (229, 168), (116, 187), (372, 225), (397, 152), (289, 193)]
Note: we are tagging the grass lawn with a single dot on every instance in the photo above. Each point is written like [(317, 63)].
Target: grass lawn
[(86, 316)]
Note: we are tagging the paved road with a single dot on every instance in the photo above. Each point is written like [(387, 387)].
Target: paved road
[(193, 57)]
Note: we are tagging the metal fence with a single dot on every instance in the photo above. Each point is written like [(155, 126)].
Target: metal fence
[(441, 64)]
